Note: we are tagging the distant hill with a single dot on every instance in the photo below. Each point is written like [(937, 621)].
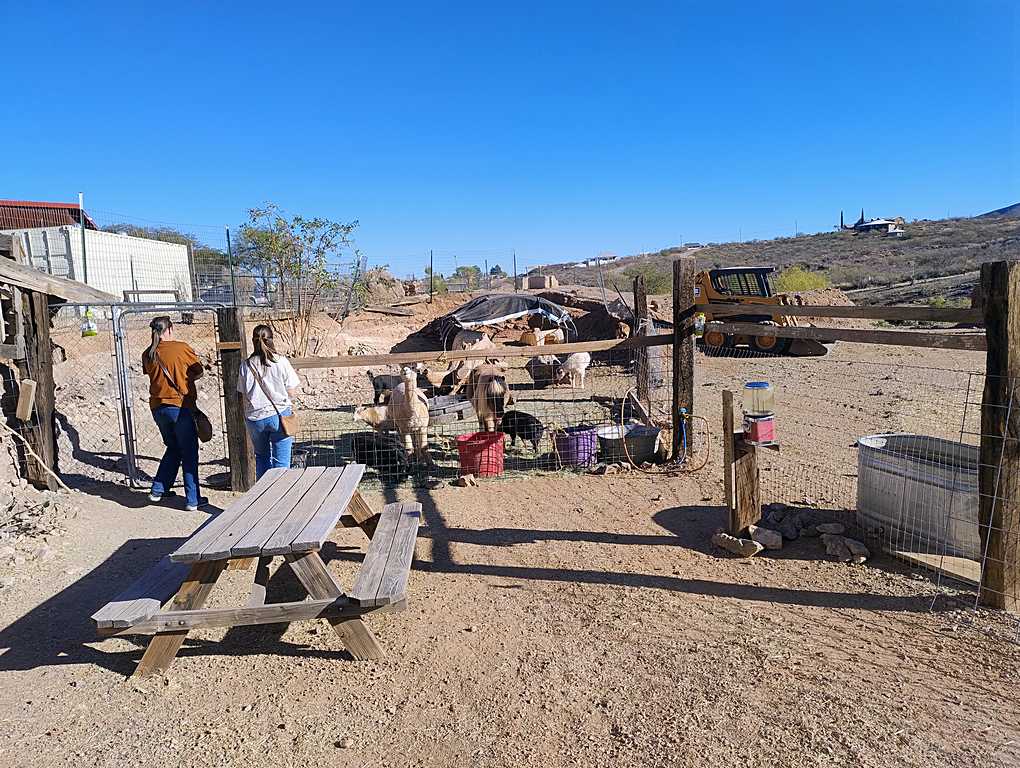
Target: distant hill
[(1009, 210), (849, 260)]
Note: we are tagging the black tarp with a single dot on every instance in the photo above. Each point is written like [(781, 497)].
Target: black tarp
[(493, 309)]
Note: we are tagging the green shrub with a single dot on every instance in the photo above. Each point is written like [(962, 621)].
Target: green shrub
[(793, 279), (657, 279)]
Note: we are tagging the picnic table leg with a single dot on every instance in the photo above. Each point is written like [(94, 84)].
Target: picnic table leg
[(259, 584), (363, 515), (356, 637), (163, 647)]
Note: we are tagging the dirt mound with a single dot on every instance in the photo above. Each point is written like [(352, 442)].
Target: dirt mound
[(381, 287)]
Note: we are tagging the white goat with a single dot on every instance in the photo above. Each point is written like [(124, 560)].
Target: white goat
[(573, 369)]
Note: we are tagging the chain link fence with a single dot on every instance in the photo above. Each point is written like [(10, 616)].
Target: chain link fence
[(105, 431)]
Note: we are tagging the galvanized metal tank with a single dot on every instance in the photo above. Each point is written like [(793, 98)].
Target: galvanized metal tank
[(919, 494)]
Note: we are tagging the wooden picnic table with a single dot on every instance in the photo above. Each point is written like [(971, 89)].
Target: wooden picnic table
[(288, 513)]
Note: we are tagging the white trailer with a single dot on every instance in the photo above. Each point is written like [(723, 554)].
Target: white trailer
[(116, 262)]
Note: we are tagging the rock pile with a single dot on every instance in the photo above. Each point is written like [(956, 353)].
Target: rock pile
[(30, 522)]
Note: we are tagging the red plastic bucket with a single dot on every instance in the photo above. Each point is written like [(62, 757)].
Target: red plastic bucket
[(481, 453)]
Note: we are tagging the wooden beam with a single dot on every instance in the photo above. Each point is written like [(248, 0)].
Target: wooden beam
[(502, 352), (965, 341), (384, 310), (271, 613), (162, 649), (641, 329), (999, 474), (727, 452), (934, 314), (230, 324), (684, 272), (32, 279), (37, 365), (321, 585)]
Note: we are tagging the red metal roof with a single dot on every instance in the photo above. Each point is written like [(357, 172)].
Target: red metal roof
[(24, 214)]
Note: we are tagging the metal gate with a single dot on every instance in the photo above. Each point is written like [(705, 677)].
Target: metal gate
[(105, 431), (143, 444)]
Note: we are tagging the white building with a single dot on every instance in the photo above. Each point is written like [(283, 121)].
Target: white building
[(116, 262)]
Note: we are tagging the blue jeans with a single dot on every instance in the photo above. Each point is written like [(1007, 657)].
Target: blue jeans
[(272, 447), (177, 426)]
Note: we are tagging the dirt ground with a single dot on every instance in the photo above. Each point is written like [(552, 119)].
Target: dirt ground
[(559, 619), (596, 629)]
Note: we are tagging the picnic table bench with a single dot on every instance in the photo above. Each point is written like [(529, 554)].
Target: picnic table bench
[(288, 513)]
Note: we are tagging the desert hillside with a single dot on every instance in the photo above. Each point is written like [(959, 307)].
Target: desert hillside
[(849, 260)]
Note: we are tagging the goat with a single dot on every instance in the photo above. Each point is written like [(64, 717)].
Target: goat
[(378, 417), (383, 385), (573, 368), (542, 370), (489, 394), (409, 409)]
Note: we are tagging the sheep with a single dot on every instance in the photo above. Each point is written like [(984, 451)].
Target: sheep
[(573, 369), (489, 394), (409, 409), (378, 417)]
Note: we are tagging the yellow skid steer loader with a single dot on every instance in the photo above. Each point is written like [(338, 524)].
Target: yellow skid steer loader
[(749, 286)]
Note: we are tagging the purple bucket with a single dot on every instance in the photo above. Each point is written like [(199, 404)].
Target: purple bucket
[(576, 446)]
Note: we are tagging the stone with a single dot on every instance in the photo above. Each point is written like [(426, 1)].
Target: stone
[(765, 536), (739, 547), (7, 552), (858, 552), (465, 481), (836, 546), (345, 743), (831, 528), (790, 527)]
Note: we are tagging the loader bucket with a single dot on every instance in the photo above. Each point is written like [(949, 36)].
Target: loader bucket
[(807, 348)]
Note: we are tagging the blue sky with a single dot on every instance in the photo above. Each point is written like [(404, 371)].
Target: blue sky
[(556, 130)]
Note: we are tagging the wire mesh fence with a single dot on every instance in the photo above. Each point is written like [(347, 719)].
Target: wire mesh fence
[(492, 418), (888, 449)]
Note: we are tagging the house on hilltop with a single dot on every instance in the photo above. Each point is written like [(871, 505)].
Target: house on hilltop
[(886, 226)]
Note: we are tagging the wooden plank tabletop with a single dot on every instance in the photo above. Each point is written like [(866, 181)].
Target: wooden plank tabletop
[(287, 507)]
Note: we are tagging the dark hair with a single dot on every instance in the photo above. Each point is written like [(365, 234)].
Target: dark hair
[(159, 326), (262, 344)]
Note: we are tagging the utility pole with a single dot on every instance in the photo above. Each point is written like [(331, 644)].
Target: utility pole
[(230, 263), (81, 221), (432, 276), (515, 271)]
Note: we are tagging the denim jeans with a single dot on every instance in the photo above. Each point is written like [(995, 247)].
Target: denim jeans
[(177, 426), (272, 447)]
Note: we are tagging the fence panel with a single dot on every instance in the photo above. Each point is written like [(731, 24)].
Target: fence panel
[(558, 427), (89, 428), (889, 449), (197, 327)]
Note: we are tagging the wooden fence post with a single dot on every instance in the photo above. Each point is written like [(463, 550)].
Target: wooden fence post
[(641, 329), (233, 350), (38, 366), (683, 345), (999, 474)]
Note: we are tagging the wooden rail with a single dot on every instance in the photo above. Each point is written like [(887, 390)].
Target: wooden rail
[(935, 314), (399, 358), (968, 341)]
